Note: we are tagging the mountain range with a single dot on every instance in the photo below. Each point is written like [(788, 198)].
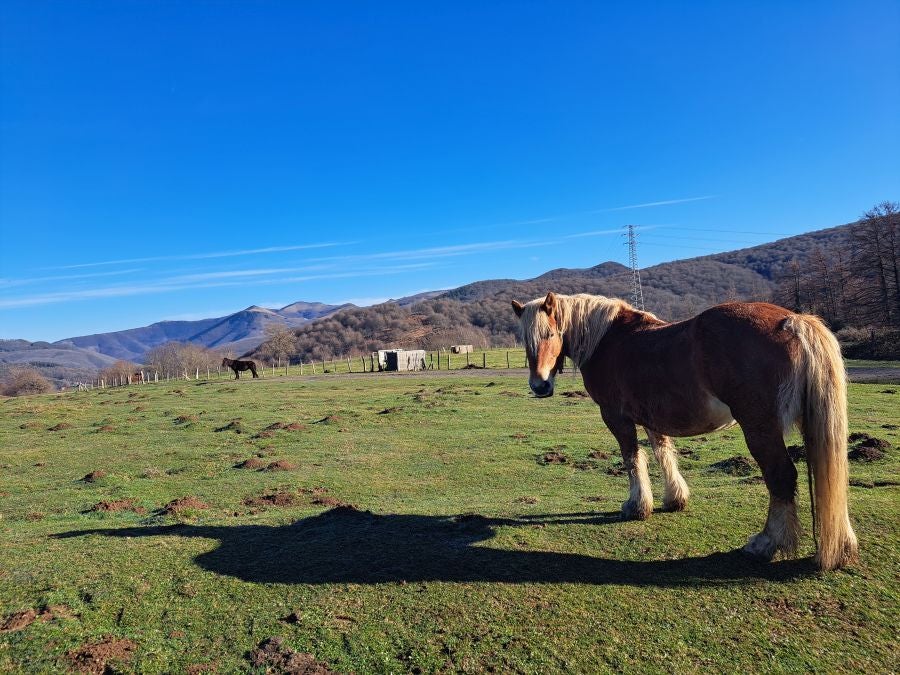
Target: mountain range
[(476, 312)]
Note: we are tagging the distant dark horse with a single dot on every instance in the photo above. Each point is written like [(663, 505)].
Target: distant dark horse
[(238, 366)]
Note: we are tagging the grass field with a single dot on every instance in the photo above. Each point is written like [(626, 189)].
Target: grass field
[(464, 552)]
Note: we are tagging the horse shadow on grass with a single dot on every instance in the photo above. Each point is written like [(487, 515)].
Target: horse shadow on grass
[(345, 545)]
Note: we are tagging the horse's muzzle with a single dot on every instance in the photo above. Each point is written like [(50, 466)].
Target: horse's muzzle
[(541, 388)]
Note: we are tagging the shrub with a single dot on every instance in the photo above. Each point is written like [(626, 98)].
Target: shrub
[(25, 381)]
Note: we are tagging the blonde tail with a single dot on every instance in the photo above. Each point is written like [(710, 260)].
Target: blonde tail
[(817, 395)]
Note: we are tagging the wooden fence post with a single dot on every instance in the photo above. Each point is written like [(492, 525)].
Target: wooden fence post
[(484, 359), (467, 359)]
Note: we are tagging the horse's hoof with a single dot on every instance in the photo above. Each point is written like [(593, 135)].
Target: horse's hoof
[(636, 510), (675, 505), (760, 547)]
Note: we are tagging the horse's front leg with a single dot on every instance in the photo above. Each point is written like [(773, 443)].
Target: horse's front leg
[(676, 493), (639, 505)]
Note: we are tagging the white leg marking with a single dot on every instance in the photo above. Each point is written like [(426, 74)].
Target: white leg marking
[(781, 533), (676, 490), (640, 497)]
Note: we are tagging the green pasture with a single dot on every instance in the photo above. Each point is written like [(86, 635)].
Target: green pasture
[(417, 529)]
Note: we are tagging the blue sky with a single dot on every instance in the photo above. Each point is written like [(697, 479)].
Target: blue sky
[(184, 160)]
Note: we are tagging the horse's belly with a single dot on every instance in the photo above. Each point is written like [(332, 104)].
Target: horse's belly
[(710, 415)]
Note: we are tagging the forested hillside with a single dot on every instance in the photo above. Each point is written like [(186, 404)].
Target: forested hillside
[(479, 313)]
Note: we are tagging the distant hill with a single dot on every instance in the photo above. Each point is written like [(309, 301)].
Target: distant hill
[(479, 312), (62, 364), (236, 332)]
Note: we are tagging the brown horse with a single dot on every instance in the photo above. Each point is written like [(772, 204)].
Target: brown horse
[(754, 364), (239, 366)]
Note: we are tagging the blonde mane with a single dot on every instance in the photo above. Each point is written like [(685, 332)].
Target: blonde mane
[(581, 319)]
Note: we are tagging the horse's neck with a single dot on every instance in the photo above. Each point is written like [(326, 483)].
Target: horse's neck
[(580, 346)]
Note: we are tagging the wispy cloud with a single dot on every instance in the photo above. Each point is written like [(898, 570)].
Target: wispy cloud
[(12, 283), (174, 284), (617, 230), (206, 256), (648, 205)]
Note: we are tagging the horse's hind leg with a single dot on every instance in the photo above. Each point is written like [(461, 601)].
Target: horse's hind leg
[(253, 370), (639, 505), (676, 493), (782, 529)]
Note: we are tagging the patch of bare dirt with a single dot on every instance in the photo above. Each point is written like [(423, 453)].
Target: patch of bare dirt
[(575, 394), (554, 456), (888, 391), (30, 425), (276, 657), (186, 419), (735, 466), (95, 657), (858, 482), (94, 476), (867, 448), (115, 505), (275, 426), (389, 411), (616, 470), (199, 668), (22, 619), (598, 454), (253, 463), (271, 499), (264, 434), (106, 427), (35, 516), (527, 500), (890, 426), (281, 465), (294, 426), (62, 426), (182, 504), (519, 436)]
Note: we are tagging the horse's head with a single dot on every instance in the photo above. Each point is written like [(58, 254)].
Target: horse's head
[(225, 361), (543, 342)]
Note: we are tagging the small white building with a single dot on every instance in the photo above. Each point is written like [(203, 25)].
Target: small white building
[(400, 359)]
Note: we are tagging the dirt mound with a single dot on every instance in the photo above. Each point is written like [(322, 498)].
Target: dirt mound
[(106, 427), (867, 448), (318, 490), (859, 482), (735, 466), (274, 656), (329, 419), (264, 434), (182, 504), (253, 463), (294, 426), (575, 394), (598, 454), (271, 499), (888, 391), (94, 476), (117, 505), (275, 426), (389, 411), (526, 500), (62, 426), (890, 426), (30, 425), (94, 656), (554, 456), (864, 453), (233, 425), (23, 619), (281, 465), (186, 419)]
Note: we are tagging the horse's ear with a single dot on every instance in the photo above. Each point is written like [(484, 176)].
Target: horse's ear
[(518, 307), (549, 303)]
